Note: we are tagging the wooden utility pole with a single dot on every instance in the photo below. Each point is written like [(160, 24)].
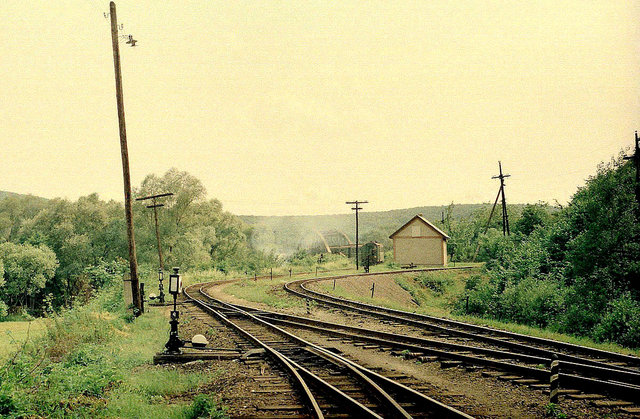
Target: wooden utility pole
[(505, 216), (486, 228), (133, 262), (357, 208), (155, 207), (636, 162)]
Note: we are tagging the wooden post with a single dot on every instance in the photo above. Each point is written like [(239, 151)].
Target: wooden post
[(553, 379), (133, 261), (142, 297), (357, 208), (636, 162), (373, 288)]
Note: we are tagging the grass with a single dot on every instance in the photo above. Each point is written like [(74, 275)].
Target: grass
[(440, 304), (95, 361), (266, 292), (13, 334)]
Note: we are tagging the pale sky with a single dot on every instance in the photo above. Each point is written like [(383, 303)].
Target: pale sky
[(294, 107)]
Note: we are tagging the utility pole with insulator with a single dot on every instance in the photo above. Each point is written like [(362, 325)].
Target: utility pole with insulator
[(356, 209), (636, 163), (155, 207), (505, 216), (133, 262)]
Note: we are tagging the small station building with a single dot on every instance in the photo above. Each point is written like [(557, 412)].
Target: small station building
[(419, 242)]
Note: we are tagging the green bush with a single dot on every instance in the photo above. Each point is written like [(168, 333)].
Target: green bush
[(621, 322), (586, 300), (204, 406), (534, 302), (3, 310), (483, 300), (436, 282), (7, 405), (472, 282)]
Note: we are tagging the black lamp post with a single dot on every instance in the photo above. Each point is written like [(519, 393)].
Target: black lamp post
[(160, 286), (174, 344)]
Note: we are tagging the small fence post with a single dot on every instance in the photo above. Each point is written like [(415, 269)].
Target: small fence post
[(334, 284), (316, 271), (467, 306), (255, 276), (289, 272), (553, 379), (373, 288), (142, 297), (272, 274)]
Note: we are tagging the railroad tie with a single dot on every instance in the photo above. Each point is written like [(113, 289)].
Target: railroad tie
[(449, 364)]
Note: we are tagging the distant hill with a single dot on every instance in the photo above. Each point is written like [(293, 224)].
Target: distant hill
[(5, 194), (286, 234)]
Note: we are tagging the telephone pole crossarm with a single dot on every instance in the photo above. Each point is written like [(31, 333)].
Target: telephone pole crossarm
[(155, 206), (356, 209), (505, 215)]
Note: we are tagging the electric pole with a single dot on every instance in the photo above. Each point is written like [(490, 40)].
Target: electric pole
[(486, 228), (505, 216), (155, 216), (636, 162), (133, 262), (357, 208)]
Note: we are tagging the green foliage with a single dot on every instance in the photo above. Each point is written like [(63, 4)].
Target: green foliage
[(196, 233), (27, 269), (7, 404), (4, 310), (553, 410), (533, 216), (88, 240), (621, 322), (435, 281), (494, 247), (205, 406), (90, 363), (532, 301), (302, 258), (575, 270)]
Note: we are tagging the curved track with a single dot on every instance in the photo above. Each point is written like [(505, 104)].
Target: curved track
[(327, 382), (584, 368)]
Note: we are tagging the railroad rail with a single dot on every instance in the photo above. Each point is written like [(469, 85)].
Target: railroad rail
[(581, 367), (327, 382)]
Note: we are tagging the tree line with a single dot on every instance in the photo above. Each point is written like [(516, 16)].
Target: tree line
[(53, 252)]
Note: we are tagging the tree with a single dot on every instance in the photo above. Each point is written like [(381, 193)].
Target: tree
[(26, 270), (533, 215)]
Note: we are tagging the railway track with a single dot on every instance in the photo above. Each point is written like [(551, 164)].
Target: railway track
[(426, 337), (328, 384)]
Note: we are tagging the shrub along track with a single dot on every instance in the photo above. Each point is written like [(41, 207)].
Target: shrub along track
[(328, 384), (588, 369)]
